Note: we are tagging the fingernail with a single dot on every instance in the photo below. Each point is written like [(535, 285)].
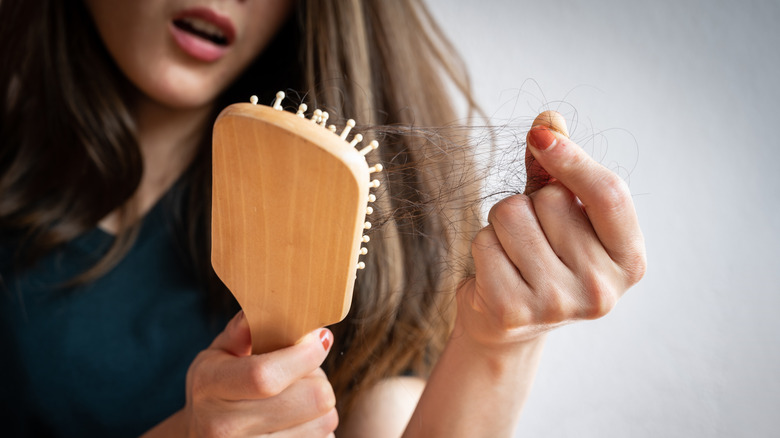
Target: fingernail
[(541, 138), (237, 318), (553, 120), (326, 338)]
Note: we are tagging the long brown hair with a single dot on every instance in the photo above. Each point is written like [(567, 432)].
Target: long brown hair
[(69, 156)]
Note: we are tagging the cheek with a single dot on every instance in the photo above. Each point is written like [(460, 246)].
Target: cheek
[(136, 36), (151, 62)]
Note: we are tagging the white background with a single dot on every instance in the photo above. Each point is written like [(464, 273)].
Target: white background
[(680, 97)]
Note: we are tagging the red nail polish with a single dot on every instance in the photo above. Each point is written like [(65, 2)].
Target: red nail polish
[(325, 339), (542, 138)]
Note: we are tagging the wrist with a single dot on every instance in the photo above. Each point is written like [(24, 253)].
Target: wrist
[(175, 425), (477, 389), (499, 354), (480, 335)]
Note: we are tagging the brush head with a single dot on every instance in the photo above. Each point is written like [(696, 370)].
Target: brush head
[(288, 212)]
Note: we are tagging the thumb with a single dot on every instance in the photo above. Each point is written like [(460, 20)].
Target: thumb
[(236, 338), (536, 176)]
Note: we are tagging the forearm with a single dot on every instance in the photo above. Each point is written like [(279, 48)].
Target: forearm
[(476, 393)]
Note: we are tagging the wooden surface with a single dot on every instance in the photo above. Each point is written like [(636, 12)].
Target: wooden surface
[(288, 207)]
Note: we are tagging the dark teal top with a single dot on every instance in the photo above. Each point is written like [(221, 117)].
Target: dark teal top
[(107, 358)]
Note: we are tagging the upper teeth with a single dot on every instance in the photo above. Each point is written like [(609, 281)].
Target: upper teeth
[(204, 26)]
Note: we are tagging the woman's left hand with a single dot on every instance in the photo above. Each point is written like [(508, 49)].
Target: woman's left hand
[(565, 251)]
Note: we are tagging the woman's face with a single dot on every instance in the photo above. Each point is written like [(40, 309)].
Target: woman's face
[(183, 53)]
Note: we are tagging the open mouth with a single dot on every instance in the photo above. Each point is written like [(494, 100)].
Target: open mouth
[(202, 33), (203, 29)]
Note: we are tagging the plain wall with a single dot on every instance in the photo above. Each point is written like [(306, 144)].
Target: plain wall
[(679, 97)]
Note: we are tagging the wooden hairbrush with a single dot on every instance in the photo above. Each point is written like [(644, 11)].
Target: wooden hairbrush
[(289, 205)]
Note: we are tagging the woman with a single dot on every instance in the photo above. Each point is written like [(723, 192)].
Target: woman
[(112, 314)]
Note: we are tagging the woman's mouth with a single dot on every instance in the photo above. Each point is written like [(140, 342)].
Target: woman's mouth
[(203, 33), (203, 29)]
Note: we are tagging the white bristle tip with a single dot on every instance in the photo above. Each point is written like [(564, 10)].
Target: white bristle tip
[(253, 99), (278, 101), (371, 146), (365, 239), (375, 183), (355, 140), (345, 132), (372, 198), (369, 210), (332, 128), (367, 225), (375, 168), (301, 109), (361, 265), (363, 251), (324, 118)]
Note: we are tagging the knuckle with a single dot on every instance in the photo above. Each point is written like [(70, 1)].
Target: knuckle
[(635, 267), (513, 314), (556, 307), (508, 210), (319, 372), (601, 298), (322, 395), (329, 422), (613, 193), (515, 218), (485, 238), (265, 379), (554, 194)]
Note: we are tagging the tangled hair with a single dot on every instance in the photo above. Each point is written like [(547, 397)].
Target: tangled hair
[(69, 156)]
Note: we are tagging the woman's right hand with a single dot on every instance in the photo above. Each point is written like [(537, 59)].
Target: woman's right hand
[(232, 393)]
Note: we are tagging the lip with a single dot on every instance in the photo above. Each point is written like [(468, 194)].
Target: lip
[(199, 48)]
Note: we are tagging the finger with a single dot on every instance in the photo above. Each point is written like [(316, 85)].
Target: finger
[(495, 270), (323, 426), (523, 239), (236, 338), (536, 176), (605, 197), (498, 290), (567, 228), (267, 375), (305, 400)]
